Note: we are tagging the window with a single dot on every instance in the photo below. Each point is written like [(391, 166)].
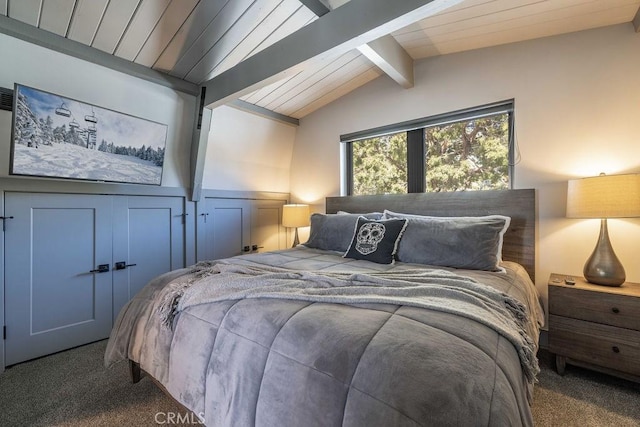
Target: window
[(380, 164), (464, 150)]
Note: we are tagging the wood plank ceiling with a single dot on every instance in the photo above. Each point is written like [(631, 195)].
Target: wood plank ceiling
[(196, 40)]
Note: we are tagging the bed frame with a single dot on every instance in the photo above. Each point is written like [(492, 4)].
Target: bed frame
[(520, 205)]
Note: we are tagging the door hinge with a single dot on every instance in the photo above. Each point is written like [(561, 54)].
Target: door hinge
[(4, 332)]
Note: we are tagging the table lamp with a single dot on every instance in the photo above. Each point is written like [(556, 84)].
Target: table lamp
[(295, 216), (604, 196)]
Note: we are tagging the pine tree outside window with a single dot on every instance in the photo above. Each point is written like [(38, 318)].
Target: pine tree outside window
[(380, 164), (464, 150)]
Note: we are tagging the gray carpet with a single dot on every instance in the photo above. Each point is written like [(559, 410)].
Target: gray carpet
[(583, 398), (73, 389)]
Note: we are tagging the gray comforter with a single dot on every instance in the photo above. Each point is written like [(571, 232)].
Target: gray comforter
[(306, 337)]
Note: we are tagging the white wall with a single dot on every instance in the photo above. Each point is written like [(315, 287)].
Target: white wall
[(44, 69), (577, 109), (246, 152)]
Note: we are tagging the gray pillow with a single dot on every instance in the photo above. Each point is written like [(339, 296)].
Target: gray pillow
[(472, 243), (333, 232), (370, 215)]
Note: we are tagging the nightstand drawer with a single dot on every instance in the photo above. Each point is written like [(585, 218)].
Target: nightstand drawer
[(601, 307), (601, 345)]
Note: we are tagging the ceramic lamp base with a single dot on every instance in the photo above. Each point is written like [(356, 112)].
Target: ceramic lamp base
[(603, 266)]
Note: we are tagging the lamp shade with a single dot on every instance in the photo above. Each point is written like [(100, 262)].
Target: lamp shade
[(295, 215), (604, 196)]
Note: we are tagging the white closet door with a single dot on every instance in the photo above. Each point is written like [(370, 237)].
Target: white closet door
[(148, 240), (2, 319), (267, 232), (55, 297), (227, 228)]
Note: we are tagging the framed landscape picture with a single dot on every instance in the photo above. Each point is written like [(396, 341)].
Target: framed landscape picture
[(58, 137)]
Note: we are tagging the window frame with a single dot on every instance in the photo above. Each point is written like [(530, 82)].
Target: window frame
[(416, 170)]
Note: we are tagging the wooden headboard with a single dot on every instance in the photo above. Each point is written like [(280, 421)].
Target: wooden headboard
[(520, 205)]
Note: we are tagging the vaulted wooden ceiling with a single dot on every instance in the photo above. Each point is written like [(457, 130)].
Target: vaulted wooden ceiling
[(197, 40)]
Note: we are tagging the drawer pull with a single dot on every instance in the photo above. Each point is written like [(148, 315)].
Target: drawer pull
[(615, 349), (615, 310)]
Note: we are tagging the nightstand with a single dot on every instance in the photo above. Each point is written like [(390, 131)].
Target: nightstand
[(595, 327)]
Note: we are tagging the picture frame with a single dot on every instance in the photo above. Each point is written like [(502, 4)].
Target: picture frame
[(59, 137)]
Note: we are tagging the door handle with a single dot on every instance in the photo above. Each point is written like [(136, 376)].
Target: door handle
[(246, 249), (4, 220), (256, 247), (122, 265), (102, 268)]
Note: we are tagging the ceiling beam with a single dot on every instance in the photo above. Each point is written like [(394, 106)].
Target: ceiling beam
[(386, 53), (391, 58), (636, 21), (316, 6), (199, 142), (345, 28), (28, 33), (263, 112)]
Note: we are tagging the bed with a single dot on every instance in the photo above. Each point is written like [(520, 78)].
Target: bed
[(307, 336)]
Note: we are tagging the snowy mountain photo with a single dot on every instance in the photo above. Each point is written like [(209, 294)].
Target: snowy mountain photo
[(59, 137)]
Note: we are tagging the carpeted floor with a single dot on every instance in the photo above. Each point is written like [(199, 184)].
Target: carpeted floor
[(583, 398), (73, 389)]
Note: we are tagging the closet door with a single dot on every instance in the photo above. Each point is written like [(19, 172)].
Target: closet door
[(224, 227), (2, 320), (267, 232), (148, 240), (58, 279)]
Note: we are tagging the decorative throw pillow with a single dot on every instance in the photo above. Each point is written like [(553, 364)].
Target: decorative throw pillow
[(332, 232), (376, 241), (472, 243)]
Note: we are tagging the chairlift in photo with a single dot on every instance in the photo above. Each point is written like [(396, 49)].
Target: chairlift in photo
[(73, 124), (91, 118), (92, 129), (63, 111), (91, 140)]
